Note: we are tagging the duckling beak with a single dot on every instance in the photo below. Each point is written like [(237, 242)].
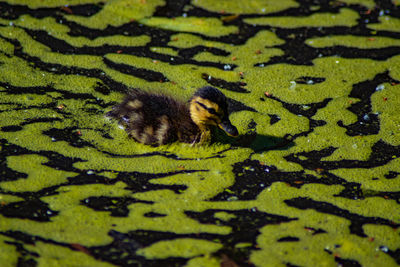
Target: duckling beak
[(227, 126)]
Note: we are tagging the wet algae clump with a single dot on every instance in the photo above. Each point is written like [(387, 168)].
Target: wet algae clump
[(313, 178)]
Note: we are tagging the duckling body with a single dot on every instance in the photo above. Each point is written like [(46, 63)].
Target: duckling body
[(156, 119)]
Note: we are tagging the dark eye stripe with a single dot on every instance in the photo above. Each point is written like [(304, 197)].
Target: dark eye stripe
[(211, 110), (201, 105)]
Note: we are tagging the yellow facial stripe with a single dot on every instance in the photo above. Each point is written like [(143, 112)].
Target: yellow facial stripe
[(201, 111), (207, 105)]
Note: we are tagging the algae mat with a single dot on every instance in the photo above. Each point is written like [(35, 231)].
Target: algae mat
[(313, 179)]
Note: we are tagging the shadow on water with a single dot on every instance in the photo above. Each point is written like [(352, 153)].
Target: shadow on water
[(257, 142)]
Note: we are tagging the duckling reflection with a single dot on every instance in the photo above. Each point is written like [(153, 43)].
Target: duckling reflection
[(155, 119)]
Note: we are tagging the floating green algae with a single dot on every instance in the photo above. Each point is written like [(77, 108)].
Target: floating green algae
[(312, 178), (51, 3), (386, 23), (118, 12), (189, 247), (349, 41), (60, 31), (39, 175), (250, 7), (209, 26), (345, 17), (60, 256)]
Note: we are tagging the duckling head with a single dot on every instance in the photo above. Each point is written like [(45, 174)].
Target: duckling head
[(208, 107)]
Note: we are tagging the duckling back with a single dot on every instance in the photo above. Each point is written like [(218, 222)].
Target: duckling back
[(155, 119)]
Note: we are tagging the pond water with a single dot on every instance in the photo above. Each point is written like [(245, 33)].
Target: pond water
[(312, 179)]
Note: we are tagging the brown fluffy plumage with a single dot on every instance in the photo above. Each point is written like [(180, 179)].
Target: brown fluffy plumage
[(156, 119)]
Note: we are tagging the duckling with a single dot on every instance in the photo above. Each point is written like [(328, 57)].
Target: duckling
[(156, 119)]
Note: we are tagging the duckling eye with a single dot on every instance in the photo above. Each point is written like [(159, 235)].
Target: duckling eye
[(212, 111)]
